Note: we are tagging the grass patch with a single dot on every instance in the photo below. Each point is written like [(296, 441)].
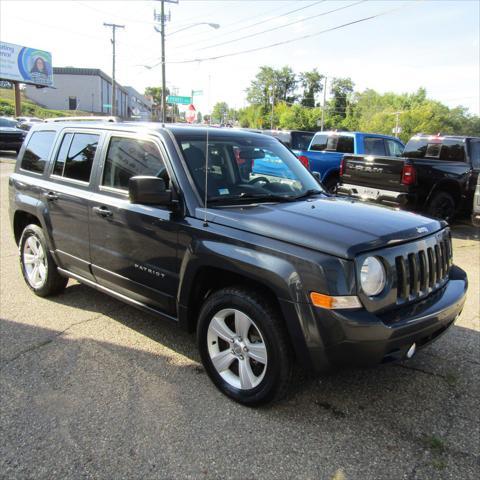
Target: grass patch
[(434, 443), (29, 108)]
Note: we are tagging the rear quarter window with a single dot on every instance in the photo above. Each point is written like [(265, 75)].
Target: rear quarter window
[(37, 152), (440, 149)]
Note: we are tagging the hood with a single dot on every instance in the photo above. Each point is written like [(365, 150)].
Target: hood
[(12, 130), (338, 226)]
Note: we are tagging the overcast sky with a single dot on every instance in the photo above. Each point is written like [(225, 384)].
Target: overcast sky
[(434, 44)]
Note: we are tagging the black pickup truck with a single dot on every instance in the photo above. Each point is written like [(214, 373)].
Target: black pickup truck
[(436, 175), (268, 270)]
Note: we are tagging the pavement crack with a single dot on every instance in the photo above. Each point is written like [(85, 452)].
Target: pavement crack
[(39, 345), (421, 370)]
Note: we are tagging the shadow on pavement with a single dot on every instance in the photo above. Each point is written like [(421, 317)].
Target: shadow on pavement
[(465, 231)]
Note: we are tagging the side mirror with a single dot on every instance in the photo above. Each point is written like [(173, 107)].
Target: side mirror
[(149, 191)]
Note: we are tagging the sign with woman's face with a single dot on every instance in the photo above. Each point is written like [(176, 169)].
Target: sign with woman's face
[(25, 65)]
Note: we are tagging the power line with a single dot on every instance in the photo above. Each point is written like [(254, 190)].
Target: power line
[(285, 42), (275, 17), (282, 26)]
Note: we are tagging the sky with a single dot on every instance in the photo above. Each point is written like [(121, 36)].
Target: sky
[(411, 44)]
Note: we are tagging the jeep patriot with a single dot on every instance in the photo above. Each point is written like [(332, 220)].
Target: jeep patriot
[(269, 271)]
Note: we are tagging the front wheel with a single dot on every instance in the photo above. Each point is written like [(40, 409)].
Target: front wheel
[(244, 346), (38, 267)]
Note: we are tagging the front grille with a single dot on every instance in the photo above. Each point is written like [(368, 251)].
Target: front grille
[(423, 270)]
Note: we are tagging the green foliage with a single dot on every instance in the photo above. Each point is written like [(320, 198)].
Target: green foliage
[(367, 111), (30, 109), (156, 94)]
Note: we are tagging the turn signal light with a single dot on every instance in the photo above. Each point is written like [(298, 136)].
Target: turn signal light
[(409, 175), (304, 161), (331, 303)]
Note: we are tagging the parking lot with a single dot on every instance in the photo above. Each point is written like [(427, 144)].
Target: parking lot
[(92, 388)]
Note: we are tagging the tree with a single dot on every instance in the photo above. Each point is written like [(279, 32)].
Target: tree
[(219, 112), (270, 83), (156, 94), (341, 90), (311, 83)]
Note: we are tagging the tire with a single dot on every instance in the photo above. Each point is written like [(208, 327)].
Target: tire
[(442, 205), (259, 374), (34, 253), (331, 183)]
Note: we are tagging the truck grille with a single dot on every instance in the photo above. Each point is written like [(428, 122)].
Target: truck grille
[(422, 271)]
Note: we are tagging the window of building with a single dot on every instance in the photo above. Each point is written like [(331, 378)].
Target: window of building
[(37, 151), (127, 157), (75, 157), (72, 103)]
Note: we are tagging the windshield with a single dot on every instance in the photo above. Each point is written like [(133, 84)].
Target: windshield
[(6, 122), (245, 168)]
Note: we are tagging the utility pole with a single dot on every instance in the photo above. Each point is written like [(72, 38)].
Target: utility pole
[(323, 106), (114, 26), (273, 104), (397, 123), (162, 33)]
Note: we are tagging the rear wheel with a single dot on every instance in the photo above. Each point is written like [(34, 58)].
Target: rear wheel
[(38, 267), (244, 346), (442, 205)]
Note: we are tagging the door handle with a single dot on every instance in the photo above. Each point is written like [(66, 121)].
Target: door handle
[(51, 196), (102, 211)]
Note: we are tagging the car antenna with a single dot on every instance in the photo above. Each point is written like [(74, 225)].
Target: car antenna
[(205, 222)]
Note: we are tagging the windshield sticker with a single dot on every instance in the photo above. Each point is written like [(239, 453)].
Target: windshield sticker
[(223, 191)]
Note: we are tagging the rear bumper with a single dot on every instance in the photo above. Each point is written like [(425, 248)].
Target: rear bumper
[(361, 338), (391, 198)]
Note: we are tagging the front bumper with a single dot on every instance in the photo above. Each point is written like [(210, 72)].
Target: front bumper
[(404, 200), (361, 338)]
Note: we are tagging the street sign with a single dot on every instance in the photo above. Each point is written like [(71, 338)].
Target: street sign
[(179, 100), (397, 130)]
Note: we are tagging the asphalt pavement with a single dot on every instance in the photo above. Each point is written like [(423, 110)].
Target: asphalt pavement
[(91, 388)]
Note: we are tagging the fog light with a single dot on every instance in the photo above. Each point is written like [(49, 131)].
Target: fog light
[(411, 351)]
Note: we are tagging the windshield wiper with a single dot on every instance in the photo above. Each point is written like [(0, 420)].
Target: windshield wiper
[(309, 193), (248, 197)]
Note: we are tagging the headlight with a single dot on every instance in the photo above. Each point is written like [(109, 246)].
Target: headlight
[(372, 276)]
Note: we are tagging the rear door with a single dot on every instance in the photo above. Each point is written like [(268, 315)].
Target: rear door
[(67, 196), (133, 247)]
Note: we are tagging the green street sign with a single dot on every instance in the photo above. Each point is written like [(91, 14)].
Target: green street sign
[(179, 100)]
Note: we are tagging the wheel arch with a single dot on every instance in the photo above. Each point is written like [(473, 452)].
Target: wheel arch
[(449, 186), (21, 219)]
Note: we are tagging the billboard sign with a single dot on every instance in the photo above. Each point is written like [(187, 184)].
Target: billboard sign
[(25, 65)]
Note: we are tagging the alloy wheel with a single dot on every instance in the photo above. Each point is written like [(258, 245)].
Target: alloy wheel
[(34, 262), (237, 349)]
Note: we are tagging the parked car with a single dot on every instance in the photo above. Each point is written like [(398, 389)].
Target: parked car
[(436, 175), (267, 272), (476, 205), (26, 123), (11, 136), (326, 150)]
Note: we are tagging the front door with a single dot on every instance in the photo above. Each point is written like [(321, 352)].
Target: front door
[(133, 247)]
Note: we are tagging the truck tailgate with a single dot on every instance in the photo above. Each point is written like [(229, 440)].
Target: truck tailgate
[(378, 172)]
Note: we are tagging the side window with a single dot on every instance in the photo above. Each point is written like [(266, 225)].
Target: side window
[(127, 157), (374, 146), (345, 144), (75, 157), (319, 143), (394, 149), (475, 154), (37, 151)]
